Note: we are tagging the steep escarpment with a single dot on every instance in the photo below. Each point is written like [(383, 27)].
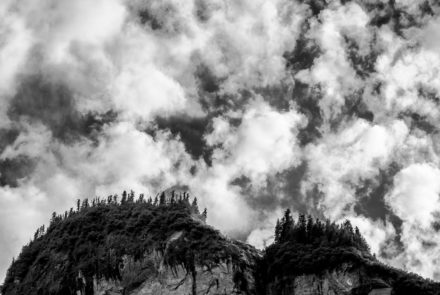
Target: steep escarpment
[(132, 247)]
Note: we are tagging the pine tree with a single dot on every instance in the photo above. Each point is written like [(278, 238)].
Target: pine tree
[(277, 231), (162, 199), (130, 198), (205, 214), (286, 225), (78, 205), (195, 206), (85, 204), (124, 198), (53, 218)]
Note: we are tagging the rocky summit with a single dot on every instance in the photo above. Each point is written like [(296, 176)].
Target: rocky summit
[(139, 246)]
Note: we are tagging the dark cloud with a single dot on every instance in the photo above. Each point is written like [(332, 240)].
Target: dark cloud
[(12, 170), (286, 185), (53, 104), (371, 197), (148, 18), (307, 99), (355, 107), (363, 64), (202, 11), (372, 194), (15, 169), (304, 54), (316, 6), (8, 136), (391, 14), (208, 82), (421, 122), (278, 96), (191, 132)]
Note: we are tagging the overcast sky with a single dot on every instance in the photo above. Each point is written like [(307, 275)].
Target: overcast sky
[(254, 106)]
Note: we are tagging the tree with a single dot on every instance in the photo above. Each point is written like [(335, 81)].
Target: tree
[(53, 218), (277, 231), (286, 225), (124, 198), (162, 199), (205, 214), (130, 197), (78, 204), (85, 204), (195, 206)]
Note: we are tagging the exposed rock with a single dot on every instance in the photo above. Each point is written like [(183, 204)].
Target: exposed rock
[(151, 276), (337, 282)]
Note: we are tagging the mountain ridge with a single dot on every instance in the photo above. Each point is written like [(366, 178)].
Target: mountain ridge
[(143, 246)]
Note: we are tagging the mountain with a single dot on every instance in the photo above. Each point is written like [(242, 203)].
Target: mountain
[(164, 246)]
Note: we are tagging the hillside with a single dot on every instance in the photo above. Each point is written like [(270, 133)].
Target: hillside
[(312, 250), (137, 246), (125, 241)]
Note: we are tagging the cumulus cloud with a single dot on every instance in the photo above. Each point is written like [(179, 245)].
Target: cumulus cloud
[(101, 96), (342, 160)]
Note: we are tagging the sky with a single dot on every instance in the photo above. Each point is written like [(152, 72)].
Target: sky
[(330, 108)]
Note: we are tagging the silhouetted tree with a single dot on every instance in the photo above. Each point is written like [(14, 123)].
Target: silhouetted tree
[(124, 197), (195, 206), (162, 199), (205, 214), (277, 231)]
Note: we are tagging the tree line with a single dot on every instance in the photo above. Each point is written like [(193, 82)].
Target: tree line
[(309, 230)]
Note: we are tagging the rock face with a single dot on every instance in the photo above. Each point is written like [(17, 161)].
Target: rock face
[(343, 281), (150, 276)]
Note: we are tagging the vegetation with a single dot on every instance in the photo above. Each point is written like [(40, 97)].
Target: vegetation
[(310, 246), (92, 240)]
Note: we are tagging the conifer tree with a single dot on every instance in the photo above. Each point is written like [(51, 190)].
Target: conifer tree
[(162, 199), (277, 231), (286, 225), (124, 198), (130, 198), (205, 214), (195, 206)]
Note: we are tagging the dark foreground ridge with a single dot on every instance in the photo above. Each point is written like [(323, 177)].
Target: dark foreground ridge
[(163, 246)]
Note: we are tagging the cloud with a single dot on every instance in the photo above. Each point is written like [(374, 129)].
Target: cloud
[(369, 148), (253, 105), (249, 148)]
